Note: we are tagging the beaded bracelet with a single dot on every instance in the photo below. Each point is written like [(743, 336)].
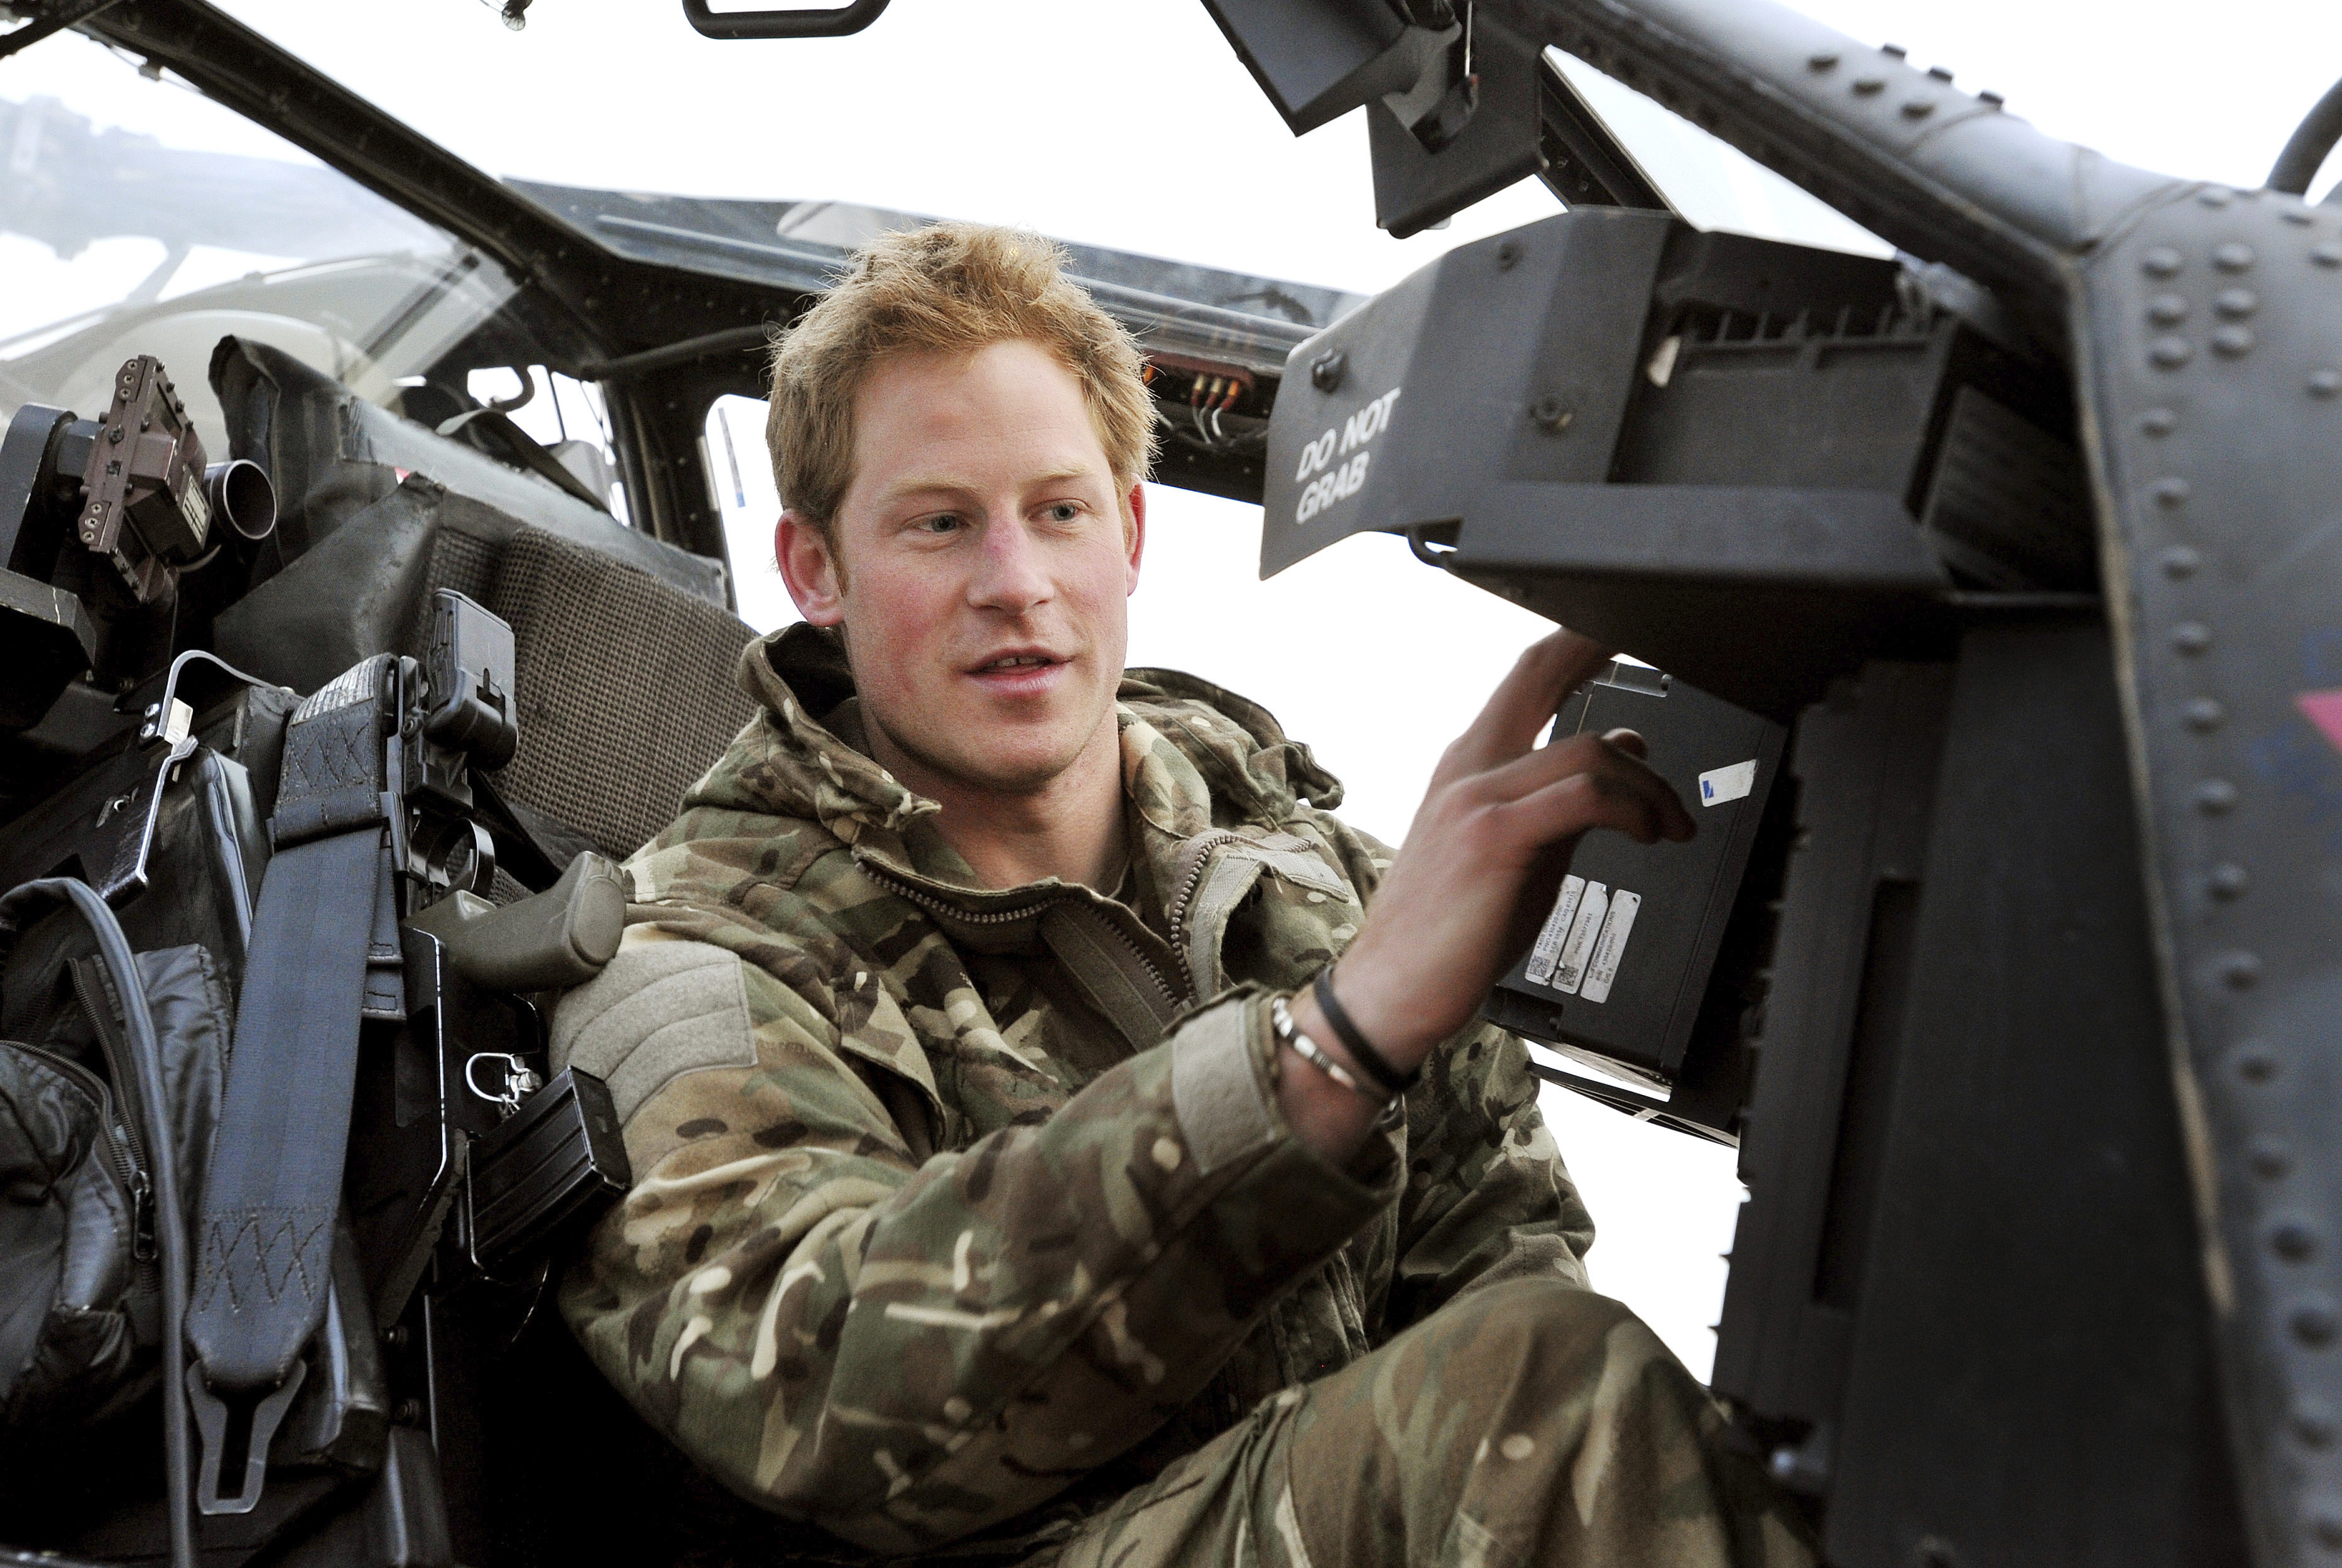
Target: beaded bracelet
[(1377, 1065), (1281, 1024)]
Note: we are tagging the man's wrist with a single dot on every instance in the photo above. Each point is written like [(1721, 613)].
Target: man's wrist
[(1310, 1021), (1390, 1078), (1385, 1020)]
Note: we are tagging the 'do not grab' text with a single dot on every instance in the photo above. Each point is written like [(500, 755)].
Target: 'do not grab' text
[(1345, 451)]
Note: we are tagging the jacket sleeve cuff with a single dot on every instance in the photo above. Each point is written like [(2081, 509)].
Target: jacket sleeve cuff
[(1224, 1093)]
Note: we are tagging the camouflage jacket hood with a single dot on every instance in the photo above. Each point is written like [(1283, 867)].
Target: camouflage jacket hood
[(953, 1201)]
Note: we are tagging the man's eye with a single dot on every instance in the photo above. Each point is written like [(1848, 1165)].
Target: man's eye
[(942, 523), (1064, 511)]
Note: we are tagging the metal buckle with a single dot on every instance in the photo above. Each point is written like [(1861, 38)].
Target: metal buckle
[(211, 1423), (521, 1079)]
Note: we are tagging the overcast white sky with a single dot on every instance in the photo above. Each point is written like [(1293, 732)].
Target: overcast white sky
[(1131, 125)]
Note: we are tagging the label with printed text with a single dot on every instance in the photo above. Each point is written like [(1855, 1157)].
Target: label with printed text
[(1720, 785), (1602, 970), (1548, 951), (1571, 970)]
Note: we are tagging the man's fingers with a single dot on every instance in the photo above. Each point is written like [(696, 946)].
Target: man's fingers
[(1611, 765), (1571, 807), (1524, 702)]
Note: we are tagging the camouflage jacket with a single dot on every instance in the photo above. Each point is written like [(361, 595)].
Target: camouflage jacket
[(947, 1197)]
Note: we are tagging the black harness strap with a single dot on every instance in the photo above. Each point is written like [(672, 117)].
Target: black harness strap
[(264, 1237)]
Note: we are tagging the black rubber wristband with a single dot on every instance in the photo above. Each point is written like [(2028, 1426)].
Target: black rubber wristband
[(1376, 1066)]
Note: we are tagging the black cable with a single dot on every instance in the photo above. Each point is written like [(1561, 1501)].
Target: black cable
[(2306, 153), (163, 1153), (1362, 1051)]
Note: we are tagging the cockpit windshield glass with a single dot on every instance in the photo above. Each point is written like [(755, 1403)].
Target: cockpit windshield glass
[(1131, 128), (137, 217)]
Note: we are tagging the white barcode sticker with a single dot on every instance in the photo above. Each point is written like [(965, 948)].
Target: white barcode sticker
[(1611, 945), (1580, 945), (1720, 785), (1548, 951)]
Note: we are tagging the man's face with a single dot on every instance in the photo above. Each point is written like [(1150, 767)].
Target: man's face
[(987, 568)]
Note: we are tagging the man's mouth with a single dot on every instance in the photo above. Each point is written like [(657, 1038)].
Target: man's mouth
[(1010, 663)]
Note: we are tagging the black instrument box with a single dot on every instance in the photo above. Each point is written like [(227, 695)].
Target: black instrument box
[(1618, 970)]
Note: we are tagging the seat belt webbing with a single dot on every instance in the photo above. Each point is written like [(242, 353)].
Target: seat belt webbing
[(265, 1233)]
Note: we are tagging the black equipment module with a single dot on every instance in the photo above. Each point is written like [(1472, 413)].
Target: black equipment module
[(1618, 976)]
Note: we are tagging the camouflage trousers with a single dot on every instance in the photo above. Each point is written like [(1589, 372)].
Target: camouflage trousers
[(1527, 1423)]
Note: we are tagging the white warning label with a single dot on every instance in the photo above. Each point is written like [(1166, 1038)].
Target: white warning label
[(1720, 785), (1575, 952), (1548, 951), (1610, 946)]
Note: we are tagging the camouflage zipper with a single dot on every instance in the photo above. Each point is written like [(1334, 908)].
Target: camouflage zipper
[(938, 905), (1198, 852)]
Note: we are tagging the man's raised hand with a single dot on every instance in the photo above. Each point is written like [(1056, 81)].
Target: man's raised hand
[(1486, 851)]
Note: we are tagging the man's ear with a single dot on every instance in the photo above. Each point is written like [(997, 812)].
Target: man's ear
[(809, 566), (1135, 509)]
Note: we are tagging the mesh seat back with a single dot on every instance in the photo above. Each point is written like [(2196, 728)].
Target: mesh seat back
[(624, 685)]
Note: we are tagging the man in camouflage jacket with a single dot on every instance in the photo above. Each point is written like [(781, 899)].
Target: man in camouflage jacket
[(970, 1201)]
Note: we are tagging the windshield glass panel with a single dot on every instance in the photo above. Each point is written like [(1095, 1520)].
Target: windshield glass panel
[(1176, 307), (1130, 127), (138, 217)]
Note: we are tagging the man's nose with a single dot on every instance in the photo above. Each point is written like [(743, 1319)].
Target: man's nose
[(1010, 572)]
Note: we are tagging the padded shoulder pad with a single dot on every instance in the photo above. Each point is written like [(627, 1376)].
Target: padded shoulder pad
[(660, 1010)]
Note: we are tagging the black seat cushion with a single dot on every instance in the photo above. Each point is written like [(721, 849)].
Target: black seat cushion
[(626, 689)]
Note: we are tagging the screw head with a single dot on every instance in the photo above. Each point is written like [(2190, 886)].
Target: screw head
[(2216, 797), (2236, 304), (2232, 256), (1509, 255), (2204, 714), (2293, 1239), (2325, 382), (2170, 353), (2233, 342), (1919, 108), (2315, 1422), (2182, 561), (1326, 370), (2239, 970), (2272, 1161), (2159, 422), (2166, 310), (2314, 1321), (2191, 637), (2326, 253), (1822, 59), (2162, 261), (1866, 86), (2255, 1065), (2169, 493), (2216, 195), (2227, 881), (1550, 412)]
